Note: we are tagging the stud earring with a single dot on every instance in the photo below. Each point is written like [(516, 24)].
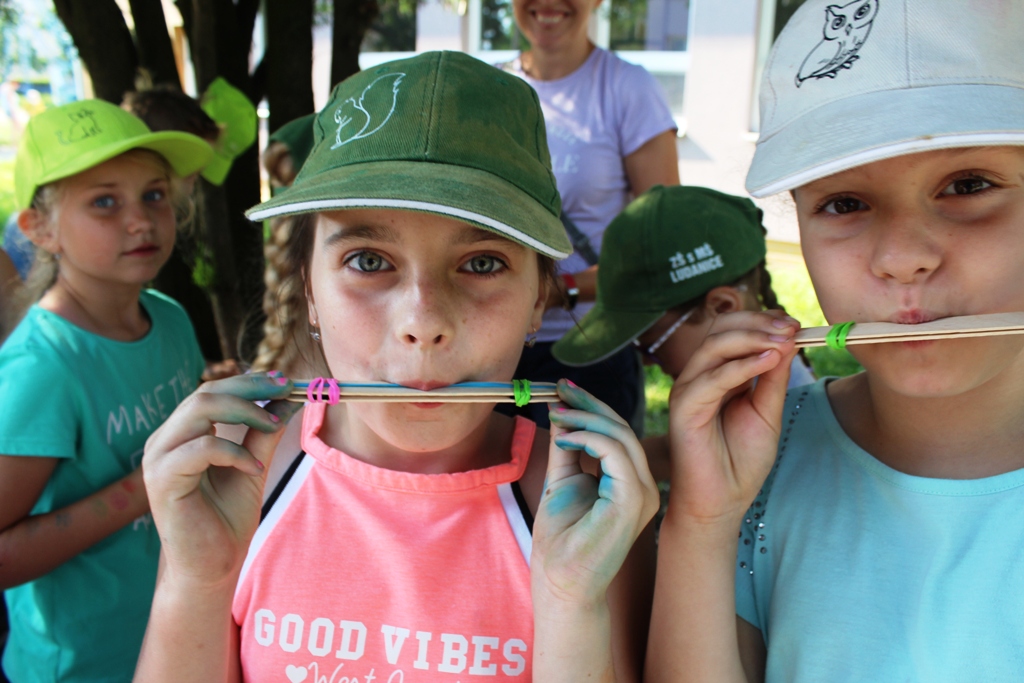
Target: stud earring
[(531, 339)]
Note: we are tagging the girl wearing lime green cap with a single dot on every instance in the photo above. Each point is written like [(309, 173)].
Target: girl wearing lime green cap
[(406, 541), (865, 528), (90, 372)]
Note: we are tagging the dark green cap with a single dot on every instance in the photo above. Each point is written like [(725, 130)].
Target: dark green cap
[(297, 136), (442, 133), (670, 245)]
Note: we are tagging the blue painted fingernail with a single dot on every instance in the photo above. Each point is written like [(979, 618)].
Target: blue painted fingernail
[(567, 445)]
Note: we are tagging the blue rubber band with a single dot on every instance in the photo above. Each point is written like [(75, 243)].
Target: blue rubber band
[(836, 337)]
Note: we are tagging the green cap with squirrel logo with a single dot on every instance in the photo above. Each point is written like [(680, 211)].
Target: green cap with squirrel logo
[(72, 138), (669, 246), (441, 133)]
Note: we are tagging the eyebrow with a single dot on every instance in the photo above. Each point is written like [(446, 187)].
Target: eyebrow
[(472, 235), (372, 233)]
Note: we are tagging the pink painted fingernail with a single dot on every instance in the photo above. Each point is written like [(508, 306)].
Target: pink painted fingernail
[(571, 384), (778, 338), (560, 409), (259, 464), (274, 418), (765, 354), (780, 324), (282, 381)]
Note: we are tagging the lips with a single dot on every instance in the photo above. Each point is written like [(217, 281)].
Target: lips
[(914, 317), (143, 250), (548, 17)]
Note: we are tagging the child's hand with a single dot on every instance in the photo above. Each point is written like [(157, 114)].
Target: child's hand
[(585, 526), (205, 492), (724, 430)]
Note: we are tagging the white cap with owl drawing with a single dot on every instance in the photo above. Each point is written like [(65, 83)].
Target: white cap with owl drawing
[(850, 83)]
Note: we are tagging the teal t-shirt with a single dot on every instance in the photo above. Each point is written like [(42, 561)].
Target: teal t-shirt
[(854, 571), (92, 402)]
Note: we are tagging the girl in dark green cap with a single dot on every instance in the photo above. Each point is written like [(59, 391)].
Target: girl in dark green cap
[(398, 546)]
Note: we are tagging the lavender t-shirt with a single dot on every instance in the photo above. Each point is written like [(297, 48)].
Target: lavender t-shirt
[(596, 116)]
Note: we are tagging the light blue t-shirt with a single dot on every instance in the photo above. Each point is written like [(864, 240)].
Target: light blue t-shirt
[(92, 402), (854, 571)]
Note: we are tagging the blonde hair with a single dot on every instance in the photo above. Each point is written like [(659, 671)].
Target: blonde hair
[(287, 344)]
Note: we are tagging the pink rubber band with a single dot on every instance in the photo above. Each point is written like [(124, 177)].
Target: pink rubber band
[(315, 391)]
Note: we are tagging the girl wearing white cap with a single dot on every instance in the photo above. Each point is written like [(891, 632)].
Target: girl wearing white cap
[(876, 514)]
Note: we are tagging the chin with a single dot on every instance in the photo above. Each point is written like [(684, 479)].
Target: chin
[(943, 369), (428, 428)]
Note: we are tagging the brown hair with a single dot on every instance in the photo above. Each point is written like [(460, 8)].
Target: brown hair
[(164, 107)]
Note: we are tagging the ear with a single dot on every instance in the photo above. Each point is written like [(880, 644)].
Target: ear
[(40, 231), (723, 299), (314, 320)]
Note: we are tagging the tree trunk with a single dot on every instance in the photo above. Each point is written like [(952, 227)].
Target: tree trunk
[(289, 60), (104, 44), (220, 47), (351, 20), (154, 43)]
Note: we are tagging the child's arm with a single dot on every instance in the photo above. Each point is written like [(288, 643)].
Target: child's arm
[(724, 435), (206, 494), (32, 546), (584, 531)]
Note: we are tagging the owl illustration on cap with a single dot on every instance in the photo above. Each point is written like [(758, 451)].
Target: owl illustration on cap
[(846, 29)]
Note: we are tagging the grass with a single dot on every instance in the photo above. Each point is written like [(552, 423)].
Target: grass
[(792, 286)]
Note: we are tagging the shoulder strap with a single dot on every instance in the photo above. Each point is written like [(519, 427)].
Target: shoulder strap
[(580, 242), (285, 478), (517, 491)]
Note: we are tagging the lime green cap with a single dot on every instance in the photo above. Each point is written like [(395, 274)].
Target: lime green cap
[(236, 116), (669, 246), (69, 139), (441, 133)]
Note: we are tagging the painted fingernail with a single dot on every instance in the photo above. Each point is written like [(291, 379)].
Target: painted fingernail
[(259, 464), (282, 381), (780, 324), (274, 418), (778, 337), (765, 354), (274, 373), (561, 409), (571, 384)]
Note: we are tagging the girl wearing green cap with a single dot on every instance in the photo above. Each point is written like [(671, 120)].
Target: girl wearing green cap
[(865, 528), (93, 368), (399, 547)]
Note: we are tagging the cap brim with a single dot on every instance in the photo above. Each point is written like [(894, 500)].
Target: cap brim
[(217, 170), (185, 153), (865, 128), (602, 333), (467, 194)]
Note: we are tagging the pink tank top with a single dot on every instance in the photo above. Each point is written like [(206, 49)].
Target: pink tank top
[(361, 574)]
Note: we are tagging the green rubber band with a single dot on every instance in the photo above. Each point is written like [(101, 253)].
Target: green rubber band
[(836, 337), (521, 391)]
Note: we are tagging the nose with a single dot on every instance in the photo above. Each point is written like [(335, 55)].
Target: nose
[(139, 217), (906, 251), (427, 312)]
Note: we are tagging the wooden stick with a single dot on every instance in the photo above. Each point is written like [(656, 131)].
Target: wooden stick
[(990, 325), (540, 392), (301, 398)]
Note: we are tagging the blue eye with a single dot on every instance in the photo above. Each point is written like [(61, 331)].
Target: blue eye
[(969, 185), (154, 195), (484, 264), (844, 205), (367, 262), (104, 202)]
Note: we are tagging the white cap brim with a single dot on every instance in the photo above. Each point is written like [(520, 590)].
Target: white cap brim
[(861, 129)]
